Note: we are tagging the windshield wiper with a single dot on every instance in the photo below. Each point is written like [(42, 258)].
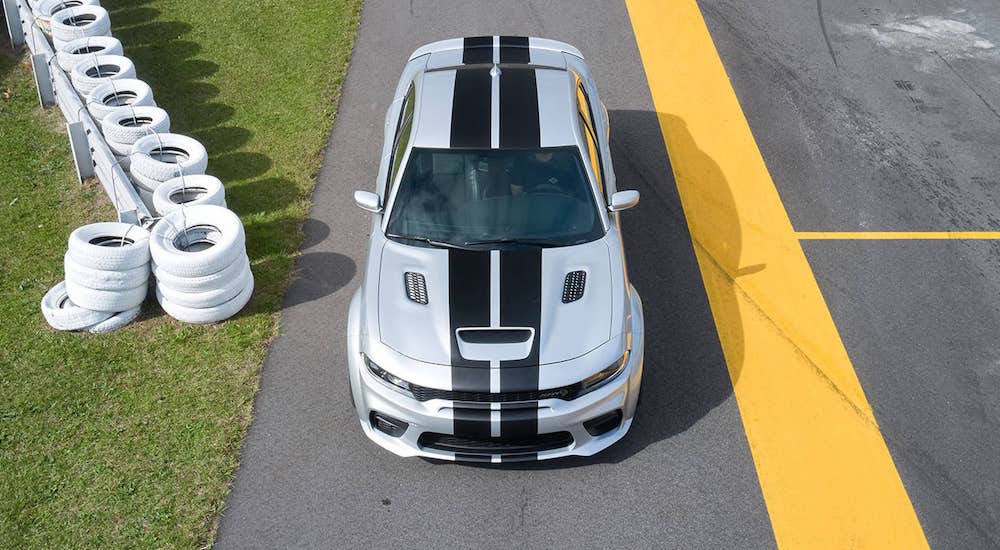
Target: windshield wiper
[(432, 242), (533, 242)]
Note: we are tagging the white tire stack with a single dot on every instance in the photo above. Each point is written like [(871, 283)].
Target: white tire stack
[(200, 264), (162, 157), (75, 51), (79, 22), (95, 70), (187, 191), (45, 9), (198, 248), (125, 125), (107, 279), (118, 93)]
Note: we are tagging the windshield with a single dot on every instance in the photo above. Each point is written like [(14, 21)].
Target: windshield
[(469, 197)]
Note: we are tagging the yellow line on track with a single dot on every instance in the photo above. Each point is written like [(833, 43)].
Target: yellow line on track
[(825, 472), (896, 235)]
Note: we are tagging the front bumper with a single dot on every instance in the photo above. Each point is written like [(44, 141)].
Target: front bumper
[(555, 416)]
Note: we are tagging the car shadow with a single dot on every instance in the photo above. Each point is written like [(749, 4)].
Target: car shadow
[(685, 374)]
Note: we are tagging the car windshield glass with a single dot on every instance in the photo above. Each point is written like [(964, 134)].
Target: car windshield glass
[(537, 197)]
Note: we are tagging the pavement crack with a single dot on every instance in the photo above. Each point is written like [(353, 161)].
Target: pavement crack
[(865, 415), (950, 491), (826, 36), (967, 84), (524, 505)]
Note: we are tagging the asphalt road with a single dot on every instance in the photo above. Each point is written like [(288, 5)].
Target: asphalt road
[(874, 116)]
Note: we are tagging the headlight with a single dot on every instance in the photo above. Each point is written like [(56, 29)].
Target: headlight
[(595, 381), (390, 379)]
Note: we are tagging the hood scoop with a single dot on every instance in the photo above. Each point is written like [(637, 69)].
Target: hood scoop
[(494, 344)]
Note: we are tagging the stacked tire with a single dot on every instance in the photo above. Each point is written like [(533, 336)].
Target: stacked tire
[(43, 10), (118, 93), (159, 158), (107, 272), (78, 22), (96, 70), (75, 51), (123, 126), (200, 264), (187, 191)]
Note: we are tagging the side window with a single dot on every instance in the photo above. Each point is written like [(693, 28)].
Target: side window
[(402, 138), (590, 137)]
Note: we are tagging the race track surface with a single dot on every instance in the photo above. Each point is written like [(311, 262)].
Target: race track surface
[(878, 123)]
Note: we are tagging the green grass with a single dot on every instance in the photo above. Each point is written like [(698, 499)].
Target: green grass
[(130, 439)]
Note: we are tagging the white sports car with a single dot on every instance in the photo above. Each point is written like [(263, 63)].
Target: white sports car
[(496, 321)]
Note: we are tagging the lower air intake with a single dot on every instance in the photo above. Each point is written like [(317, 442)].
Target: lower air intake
[(495, 445)]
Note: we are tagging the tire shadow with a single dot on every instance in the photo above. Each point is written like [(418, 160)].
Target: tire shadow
[(315, 232), (169, 56), (166, 57), (318, 274)]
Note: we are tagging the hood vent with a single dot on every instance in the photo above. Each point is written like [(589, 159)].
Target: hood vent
[(416, 287), (573, 286)]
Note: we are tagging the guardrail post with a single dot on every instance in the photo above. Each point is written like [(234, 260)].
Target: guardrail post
[(43, 80), (13, 16), (81, 150), (129, 216)]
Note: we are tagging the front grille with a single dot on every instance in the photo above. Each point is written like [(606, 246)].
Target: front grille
[(495, 445), (566, 393)]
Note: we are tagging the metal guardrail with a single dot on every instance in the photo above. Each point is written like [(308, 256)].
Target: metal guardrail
[(90, 151)]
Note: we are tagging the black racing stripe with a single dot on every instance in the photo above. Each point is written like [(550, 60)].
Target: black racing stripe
[(474, 458), (477, 49), (515, 377), (472, 422), (521, 300), (520, 306), (475, 378), (469, 306), (518, 419), (514, 49), (519, 109), (470, 108), (468, 299), (525, 457)]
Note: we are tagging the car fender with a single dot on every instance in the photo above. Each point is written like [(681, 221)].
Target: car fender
[(354, 347)]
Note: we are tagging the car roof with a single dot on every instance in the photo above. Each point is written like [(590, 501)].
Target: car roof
[(495, 92)]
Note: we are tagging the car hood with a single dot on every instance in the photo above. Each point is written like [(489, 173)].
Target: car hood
[(492, 305)]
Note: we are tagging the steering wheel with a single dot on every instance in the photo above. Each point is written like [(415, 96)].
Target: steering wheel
[(546, 188)]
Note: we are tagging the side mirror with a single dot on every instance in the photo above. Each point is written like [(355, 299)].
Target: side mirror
[(623, 200), (369, 201)]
